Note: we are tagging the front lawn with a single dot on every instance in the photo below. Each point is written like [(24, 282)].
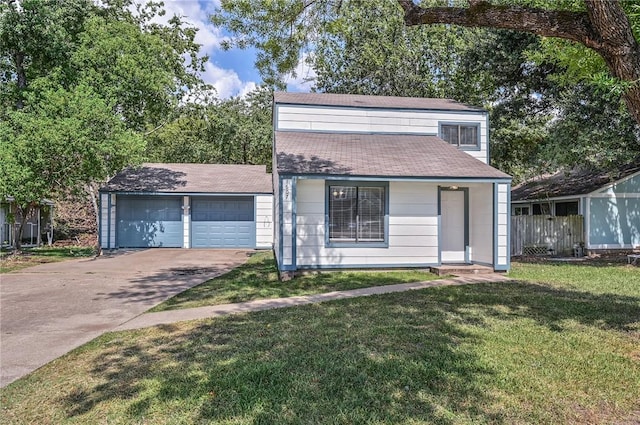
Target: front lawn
[(541, 350), (33, 256), (258, 279)]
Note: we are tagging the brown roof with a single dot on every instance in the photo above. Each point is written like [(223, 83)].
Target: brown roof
[(192, 178), (570, 183), (388, 155), (354, 100)]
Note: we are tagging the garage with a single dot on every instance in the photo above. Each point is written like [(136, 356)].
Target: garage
[(223, 222), (188, 206), (149, 221)]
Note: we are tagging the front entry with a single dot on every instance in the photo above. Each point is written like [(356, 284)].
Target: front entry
[(453, 226)]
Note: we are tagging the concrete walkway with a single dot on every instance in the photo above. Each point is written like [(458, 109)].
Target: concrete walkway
[(173, 316)]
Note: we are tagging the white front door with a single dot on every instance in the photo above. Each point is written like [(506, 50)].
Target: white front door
[(452, 226)]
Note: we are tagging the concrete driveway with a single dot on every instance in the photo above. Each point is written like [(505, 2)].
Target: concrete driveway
[(48, 310)]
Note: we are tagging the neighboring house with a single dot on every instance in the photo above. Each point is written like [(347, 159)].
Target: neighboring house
[(37, 228), (609, 202), (189, 206), (373, 181)]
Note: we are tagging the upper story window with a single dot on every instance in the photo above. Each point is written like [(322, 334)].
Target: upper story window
[(461, 135)]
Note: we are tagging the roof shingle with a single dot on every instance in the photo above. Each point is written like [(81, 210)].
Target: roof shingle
[(380, 155), (571, 183), (356, 100), (192, 178)]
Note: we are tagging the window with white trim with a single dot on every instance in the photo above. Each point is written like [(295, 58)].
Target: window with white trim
[(461, 135), (356, 213)]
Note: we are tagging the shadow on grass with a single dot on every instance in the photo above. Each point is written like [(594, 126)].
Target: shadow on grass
[(258, 278), (393, 358)]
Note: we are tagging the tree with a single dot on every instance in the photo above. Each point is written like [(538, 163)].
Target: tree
[(61, 139), (82, 83), (602, 26), (526, 81), (232, 131)]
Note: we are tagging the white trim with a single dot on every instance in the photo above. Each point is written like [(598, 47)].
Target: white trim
[(610, 185), (559, 198), (611, 246), (587, 221), (614, 195)]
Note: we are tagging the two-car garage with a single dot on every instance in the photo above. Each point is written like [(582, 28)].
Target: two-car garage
[(187, 205)]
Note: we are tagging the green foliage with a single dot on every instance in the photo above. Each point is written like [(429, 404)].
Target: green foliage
[(35, 37), (81, 83), (233, 131), (591, 130), (527, 82), (62, 139)]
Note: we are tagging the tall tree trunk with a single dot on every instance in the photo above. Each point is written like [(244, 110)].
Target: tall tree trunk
[(604, 27), (24, 212), (18, 59), (92, 195)]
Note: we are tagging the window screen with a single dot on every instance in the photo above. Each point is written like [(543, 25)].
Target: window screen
[(356, 214), (541, 209), (469, 135), (564, 209), (459, 134)]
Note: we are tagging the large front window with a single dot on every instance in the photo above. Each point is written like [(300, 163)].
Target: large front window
[(356, 213)]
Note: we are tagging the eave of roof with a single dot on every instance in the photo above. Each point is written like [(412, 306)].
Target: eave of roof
[(379, 155), (388, 102), (575, 182), (191, 178)]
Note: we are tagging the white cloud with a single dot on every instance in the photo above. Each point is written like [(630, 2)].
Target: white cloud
[(305, 75), (192, 12), (196, 13), (226, 81)]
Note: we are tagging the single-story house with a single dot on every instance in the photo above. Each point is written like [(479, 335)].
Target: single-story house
[(376, 181), (38, 226), (609, 202), (188, 206)]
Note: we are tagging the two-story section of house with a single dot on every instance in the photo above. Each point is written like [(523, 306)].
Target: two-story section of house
[(375, 181)]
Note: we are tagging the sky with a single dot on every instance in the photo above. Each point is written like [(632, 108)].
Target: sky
[(231, 72)]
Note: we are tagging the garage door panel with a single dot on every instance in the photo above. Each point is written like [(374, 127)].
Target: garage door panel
[(144, 234), (149, 221), (223, 222), (223, 234)]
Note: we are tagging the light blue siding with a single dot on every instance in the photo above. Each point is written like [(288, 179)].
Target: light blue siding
[(614, 221), (149, 221), (631, 185)]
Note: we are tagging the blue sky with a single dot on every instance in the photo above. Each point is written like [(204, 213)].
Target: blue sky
[(232, 72)]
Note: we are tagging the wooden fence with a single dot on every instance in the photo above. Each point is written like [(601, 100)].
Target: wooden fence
[(546, 235)]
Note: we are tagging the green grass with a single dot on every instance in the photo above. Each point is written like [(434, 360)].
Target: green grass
[(33, 256), (258, 279), (565, 351)]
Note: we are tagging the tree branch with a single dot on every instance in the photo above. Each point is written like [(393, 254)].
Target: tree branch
[(574, 26)]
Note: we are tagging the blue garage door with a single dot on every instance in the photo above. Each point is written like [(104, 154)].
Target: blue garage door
[(149, 221), (223, 222)]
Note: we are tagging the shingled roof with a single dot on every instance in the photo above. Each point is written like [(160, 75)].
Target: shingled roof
[(356, 100), (570, 183), (379, 155), (192, 178)]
